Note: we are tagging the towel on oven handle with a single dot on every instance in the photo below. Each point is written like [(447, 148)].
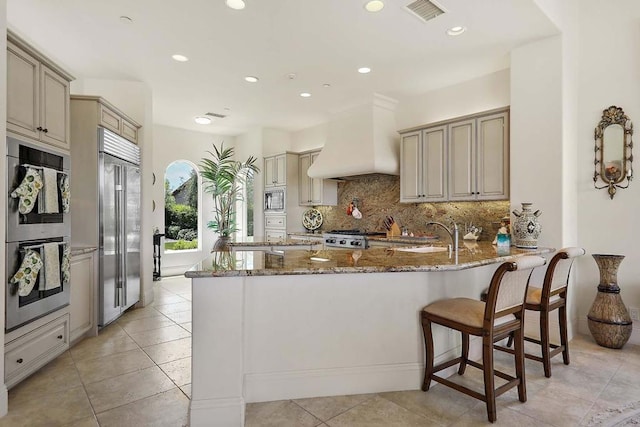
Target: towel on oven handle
[(27, 274), (65, 192)]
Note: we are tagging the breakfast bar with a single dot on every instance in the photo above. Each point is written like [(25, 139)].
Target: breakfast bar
[(304, 323)]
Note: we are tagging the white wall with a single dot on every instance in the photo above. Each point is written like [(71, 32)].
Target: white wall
[(171, 144), (250, 144), (480, 94), (3, 182), (609, 61), (134, 99)]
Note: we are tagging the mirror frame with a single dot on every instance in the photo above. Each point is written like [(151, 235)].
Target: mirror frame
[(613, 116)]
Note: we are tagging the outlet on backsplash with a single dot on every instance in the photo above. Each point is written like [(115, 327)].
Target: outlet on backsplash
[(634, 313), (379, 197)]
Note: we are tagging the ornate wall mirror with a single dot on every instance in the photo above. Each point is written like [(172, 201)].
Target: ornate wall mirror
[(613, 156)]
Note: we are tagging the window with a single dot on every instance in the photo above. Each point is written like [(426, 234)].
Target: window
[(245, 209), (181, 206)]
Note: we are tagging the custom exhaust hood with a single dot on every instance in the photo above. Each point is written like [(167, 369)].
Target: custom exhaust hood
[(361, 140)]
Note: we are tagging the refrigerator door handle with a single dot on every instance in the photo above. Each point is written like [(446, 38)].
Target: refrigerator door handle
[(118, 225)]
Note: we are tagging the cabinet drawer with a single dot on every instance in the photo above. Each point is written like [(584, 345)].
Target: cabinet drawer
[(32, 350), (130, 131), (275, 235), (109, 119), (275, 221)]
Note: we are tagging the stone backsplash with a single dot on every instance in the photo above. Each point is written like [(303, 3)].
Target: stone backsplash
[(379, 196)]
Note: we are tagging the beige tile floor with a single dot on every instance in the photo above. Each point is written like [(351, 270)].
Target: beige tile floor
[(137, 372)]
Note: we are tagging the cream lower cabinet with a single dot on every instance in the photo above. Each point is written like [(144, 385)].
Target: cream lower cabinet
[(423, 166), (314, 191), (37, 96), (82, 307), (275, 227), (34, 345)]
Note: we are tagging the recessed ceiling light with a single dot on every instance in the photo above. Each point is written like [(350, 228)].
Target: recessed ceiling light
[(456, 31), (179, 58), (202, 120), (364, 70), (326, 85), (374, 5), (235, 4), (305, 94), (227, 109), (126, 19), (251, 79)]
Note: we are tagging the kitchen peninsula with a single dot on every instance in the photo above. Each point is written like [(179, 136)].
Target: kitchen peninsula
[(309, 323)]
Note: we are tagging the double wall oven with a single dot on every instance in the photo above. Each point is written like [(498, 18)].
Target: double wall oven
[(32, 231)]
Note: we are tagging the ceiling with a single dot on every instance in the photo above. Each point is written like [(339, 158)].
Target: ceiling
[(321, 41)]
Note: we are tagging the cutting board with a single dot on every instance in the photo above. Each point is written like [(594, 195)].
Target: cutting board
[(395, 230)]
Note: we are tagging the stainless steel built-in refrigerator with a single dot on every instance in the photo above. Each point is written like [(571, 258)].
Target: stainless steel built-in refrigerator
[(119, 241)]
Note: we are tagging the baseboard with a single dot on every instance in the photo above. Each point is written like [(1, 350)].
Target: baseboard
[(217, 412), (4, 400)]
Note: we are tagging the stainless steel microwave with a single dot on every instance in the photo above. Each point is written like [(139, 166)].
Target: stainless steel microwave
[(274, 199)]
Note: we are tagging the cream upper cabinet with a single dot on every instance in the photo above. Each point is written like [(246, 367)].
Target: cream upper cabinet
[(314, 191), (479, 158), (493, 157), (275, 171), (462, 167), (458, 160), (423, 165), (37, 96)]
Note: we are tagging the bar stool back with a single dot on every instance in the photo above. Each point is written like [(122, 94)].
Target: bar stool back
[(551, 296), (500, 316)]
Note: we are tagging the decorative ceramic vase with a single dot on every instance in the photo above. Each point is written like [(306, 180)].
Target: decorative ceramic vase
[(609, 320), (526, 227)]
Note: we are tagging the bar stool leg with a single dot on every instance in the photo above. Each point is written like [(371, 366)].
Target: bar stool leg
[(519, 360), (429, 354), (489, 380), (564, 342), (544, 342), (465, 353)]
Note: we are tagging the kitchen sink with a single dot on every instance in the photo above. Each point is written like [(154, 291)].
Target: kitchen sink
[(423, 249)]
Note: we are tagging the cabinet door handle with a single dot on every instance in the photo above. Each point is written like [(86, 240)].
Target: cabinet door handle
[(59, 337), (39, 128), (19, 360), (45, 130)]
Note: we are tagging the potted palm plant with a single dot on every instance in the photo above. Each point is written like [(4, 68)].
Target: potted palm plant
[(223, 177)]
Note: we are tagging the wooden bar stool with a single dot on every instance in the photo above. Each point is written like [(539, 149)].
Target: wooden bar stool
[(500, 316), (551, 296)]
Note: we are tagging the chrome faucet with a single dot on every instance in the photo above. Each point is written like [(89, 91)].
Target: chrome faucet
[(453, 233)]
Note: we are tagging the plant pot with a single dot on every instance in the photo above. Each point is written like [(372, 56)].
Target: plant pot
[(222, 244)]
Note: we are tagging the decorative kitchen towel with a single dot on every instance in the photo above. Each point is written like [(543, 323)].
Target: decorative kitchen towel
[(27, 274), (65, 192), (48, 198), (51, 261), (65, 268), (28, 190)]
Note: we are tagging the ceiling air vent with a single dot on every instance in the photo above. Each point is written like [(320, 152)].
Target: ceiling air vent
[(216, 115), (425, 9)]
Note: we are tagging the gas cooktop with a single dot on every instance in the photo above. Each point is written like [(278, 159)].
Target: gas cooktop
[(353, 238), (356, 232)]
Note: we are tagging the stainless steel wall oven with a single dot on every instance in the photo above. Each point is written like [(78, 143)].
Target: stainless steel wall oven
[(30, 232), (33, 225)]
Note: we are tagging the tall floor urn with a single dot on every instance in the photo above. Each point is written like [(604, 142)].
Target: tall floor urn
[(609, 320)]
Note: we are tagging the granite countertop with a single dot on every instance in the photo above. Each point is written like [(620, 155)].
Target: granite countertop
[(374, 260), (79, 250), (263, 242)]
